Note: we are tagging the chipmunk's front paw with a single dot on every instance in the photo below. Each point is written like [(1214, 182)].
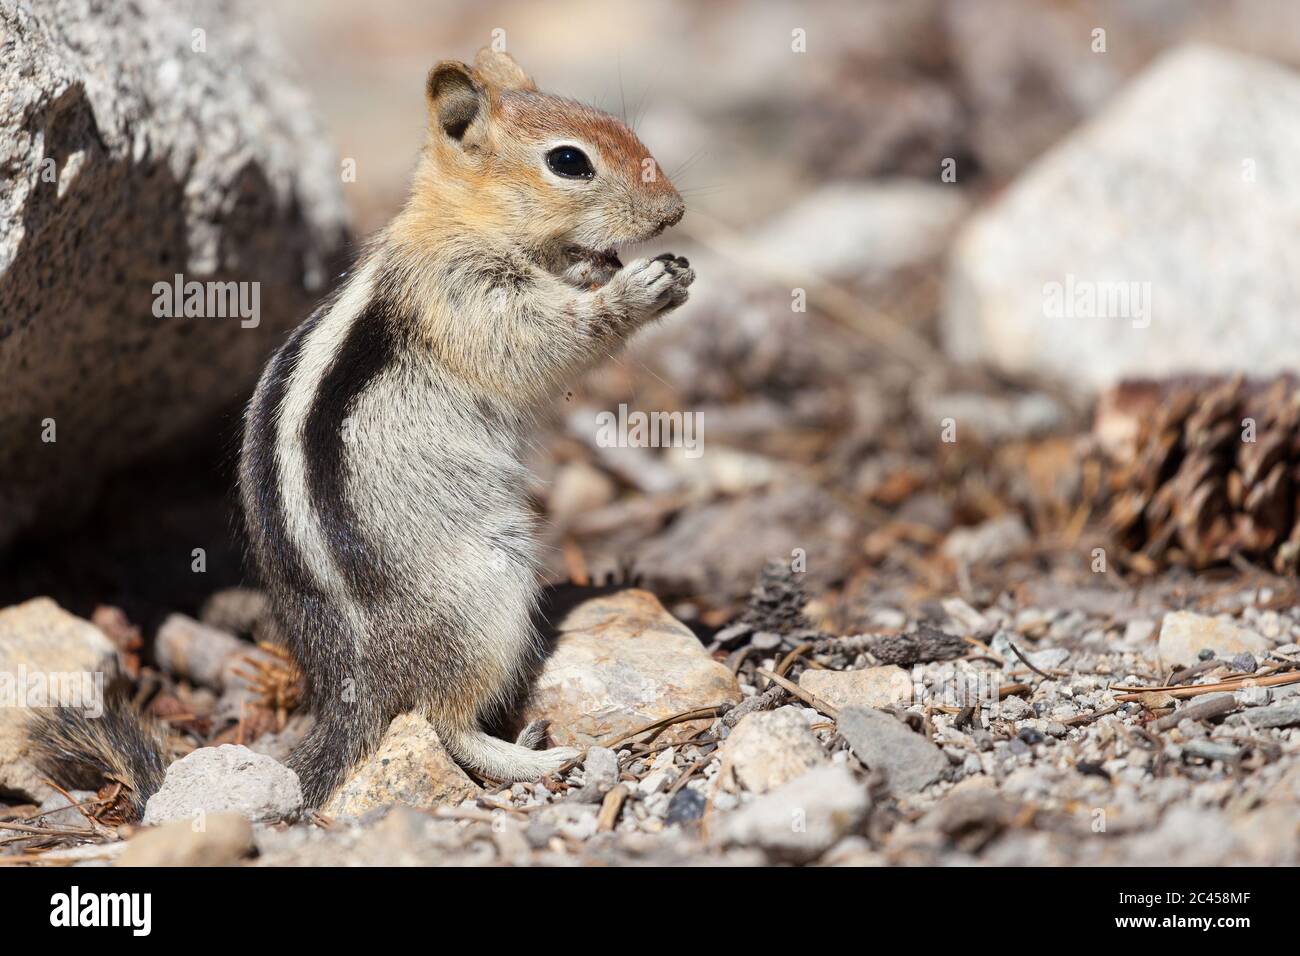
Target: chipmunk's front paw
[(659, 284)]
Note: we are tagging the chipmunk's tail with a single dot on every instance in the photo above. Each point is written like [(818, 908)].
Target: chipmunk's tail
[(334, 745), (78, 749)]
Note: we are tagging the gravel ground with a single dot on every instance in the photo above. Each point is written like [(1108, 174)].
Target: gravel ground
[(1054, 737)]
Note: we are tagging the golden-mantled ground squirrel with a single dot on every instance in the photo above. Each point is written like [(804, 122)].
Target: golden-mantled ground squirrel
[(381, 477)]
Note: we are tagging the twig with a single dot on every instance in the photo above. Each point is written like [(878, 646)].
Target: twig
[(737, 658), (76, 806), (788, 661), (1185, 674), (689, 772), (99, 828), (812, 700), (1089, 718), (752, 705), (1234, 679), (661, 747), (1202, 710), (33, 859), (610, 809), (48, 831), (1193, 690), (700, 713), (985, 651), (1028, 663)]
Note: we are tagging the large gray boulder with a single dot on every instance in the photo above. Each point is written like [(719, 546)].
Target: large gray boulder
[(140, 141), (1159, 238)]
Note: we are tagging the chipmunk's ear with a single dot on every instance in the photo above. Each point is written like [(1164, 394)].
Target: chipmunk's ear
[(499, 69), (457, 101)]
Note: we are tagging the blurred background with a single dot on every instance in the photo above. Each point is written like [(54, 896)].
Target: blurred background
[(884, 90), (992, 347), (912, 174)]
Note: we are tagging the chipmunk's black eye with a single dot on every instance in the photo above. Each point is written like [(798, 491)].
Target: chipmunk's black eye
[(569, 162)]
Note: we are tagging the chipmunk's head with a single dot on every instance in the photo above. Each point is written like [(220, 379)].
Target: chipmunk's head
[(566, 180)]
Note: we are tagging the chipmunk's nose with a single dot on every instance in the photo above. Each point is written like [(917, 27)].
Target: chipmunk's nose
[(673, 213)]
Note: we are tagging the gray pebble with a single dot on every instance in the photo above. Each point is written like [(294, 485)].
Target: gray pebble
[(686, 806)]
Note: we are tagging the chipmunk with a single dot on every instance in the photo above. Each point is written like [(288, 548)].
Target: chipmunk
[(380, 475)]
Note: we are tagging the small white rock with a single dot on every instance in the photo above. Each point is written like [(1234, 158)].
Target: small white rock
[(229, 777)]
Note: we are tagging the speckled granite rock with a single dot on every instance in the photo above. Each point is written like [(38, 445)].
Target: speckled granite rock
[(621, 662), (410, 768), (141, 141)]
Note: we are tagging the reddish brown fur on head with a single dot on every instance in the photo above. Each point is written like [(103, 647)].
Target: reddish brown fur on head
[(490, 132)]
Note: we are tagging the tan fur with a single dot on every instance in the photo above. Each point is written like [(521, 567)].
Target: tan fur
[(500, 71), (410, 574)]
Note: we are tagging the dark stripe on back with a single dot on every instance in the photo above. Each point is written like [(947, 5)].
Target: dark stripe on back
[(267, 522), (368, 349)]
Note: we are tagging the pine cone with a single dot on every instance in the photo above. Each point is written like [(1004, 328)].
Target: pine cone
[(1212, 470), (777, 601)]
